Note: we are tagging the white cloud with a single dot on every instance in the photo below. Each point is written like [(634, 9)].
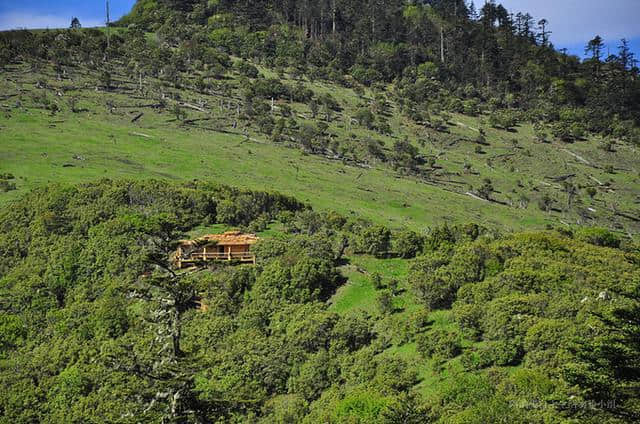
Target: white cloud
[(577, 21), (15, 20)]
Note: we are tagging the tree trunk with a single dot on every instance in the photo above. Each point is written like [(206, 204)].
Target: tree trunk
[(333, 13), (176, 334), (442, 44)]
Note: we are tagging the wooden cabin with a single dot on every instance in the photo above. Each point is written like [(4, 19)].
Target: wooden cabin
[(232, 246)]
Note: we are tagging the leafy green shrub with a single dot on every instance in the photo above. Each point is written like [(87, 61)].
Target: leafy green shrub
[(6, 186), (311, 379), (376, 281), (360, 407), (545, 341), (504, 119), (299, 93), (282, 409), (445, 237), (504, 352), (366, 75), (469, 318), (374, 240), (407, 244), (500, 353), (470, 107), (439, 342), (365, 117), (476, 359), (352, 332), (512, 315), (385, 302), (12, 332), (245, 68), (598, 237), (270, 88), (435, 291)]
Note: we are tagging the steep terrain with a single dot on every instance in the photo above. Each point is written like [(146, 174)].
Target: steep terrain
[(334, 324), (532, 183)]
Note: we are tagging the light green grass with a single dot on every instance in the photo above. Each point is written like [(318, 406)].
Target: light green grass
[(37, 153), (35, 147), (359, 294)]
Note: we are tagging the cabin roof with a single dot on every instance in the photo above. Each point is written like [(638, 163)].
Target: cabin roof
[(229, 238)]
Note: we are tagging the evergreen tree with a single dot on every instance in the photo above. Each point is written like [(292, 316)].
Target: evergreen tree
[(75, 23)]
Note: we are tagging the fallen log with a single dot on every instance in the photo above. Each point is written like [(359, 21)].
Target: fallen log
[(626, 215), (8, 96), (191, 121), (138, 116), (580, 158), (596, 180), (561, 178), (140, 134), (190, 106), (475, 197)]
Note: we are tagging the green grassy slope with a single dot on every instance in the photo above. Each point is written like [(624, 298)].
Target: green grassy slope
[(38, 147)]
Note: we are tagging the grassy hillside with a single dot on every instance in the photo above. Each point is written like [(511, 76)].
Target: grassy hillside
[(211, 143)]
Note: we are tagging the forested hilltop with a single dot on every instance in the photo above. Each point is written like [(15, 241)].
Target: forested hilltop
[(436, 51), (478, 328)]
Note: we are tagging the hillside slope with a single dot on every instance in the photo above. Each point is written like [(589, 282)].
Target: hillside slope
[(95, 326), (74, 129)]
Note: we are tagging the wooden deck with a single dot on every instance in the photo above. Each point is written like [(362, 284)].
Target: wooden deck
[(195, 258)]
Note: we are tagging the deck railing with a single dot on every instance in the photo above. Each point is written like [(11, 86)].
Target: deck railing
[(242, 256)]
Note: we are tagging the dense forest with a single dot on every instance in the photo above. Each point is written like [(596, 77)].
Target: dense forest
[(96, 327)]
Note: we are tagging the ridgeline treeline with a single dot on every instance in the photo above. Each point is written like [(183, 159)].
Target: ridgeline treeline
[(430, 57), (439, 49)]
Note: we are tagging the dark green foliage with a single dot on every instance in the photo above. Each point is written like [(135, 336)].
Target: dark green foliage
[(486, 189), (385, 302), (440, 343), (407, 244), (374, 240), (607, 369), (406, 410), (444, 237), (95, 325), (405, 156), (504, 119), (247, 206), (93, 259), (105, 79), (6, 186), (376, 281), (365, 117), (599, 237), (435, 278), (246, 69)]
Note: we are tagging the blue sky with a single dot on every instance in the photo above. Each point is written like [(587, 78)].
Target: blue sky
[(58, 13), (573, 22)]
